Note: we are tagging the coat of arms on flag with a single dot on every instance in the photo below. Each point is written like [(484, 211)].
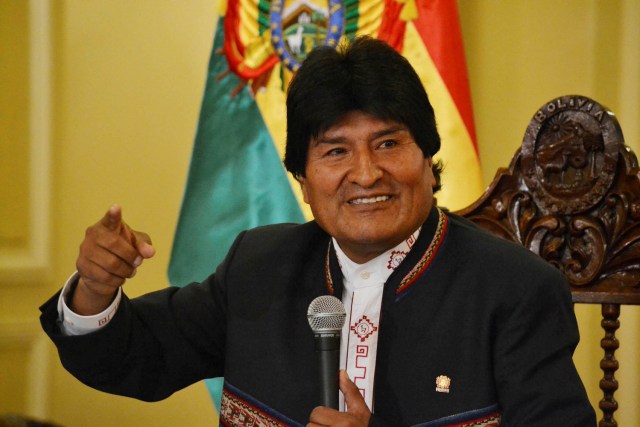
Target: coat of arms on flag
[(259, 35)]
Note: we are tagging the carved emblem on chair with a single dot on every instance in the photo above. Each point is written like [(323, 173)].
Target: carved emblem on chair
[(572, 196)]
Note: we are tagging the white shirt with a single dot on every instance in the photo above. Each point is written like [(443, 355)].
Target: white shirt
[(75, 324), (362, 299)]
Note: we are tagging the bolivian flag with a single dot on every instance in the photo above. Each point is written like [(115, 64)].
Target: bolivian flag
[(236, 178)]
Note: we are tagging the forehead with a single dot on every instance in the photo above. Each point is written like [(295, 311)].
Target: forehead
[(359, 124)]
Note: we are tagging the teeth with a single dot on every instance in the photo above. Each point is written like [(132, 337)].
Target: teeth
[(363, 201)]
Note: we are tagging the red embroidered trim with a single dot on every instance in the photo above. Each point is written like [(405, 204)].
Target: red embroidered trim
[(238, 413), (418, 269), (427, 257), (327, 271), (491, 420)]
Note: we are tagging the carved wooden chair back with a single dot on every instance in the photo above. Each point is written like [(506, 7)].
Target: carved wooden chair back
[(572, 196)]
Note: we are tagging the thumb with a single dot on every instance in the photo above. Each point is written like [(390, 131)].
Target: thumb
[(353, 399), (143, 244)]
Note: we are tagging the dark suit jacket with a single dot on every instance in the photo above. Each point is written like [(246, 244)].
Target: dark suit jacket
[(493, 318)]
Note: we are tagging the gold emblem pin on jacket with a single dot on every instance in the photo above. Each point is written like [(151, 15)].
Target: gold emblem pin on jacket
[(443, 383)]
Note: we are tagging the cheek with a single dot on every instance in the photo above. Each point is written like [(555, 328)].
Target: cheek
[(420, 184), (416, 176), (323, 182), (317, 189)]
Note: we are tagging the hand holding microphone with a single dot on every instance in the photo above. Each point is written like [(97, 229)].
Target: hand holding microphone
[(326, 316), (358, 413)]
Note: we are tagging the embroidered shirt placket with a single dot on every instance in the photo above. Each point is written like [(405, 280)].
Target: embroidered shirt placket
[(362, 298)]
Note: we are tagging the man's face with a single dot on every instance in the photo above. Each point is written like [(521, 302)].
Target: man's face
[(368, 184)]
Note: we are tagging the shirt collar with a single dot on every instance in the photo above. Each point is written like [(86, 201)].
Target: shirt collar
[(377, 270)]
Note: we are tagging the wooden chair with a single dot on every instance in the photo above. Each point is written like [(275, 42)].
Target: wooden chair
[(572, 196)]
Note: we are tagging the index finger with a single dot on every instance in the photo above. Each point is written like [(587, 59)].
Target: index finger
[(113, 218)]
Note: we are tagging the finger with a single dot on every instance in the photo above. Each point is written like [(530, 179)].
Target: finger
[(108, 250), (143, 244), (128, 235), (104, 267), (113, 218), (97, 279), (113, 222), (101, 244)]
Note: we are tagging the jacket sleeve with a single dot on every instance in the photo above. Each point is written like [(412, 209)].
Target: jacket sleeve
[(155, 344), (144, 352)]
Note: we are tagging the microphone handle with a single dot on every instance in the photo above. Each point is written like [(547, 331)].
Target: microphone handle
[(328, 351)]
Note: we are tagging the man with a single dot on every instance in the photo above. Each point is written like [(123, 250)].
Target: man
[(445, 324)]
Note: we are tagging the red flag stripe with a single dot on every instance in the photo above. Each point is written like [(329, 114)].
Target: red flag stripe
[(439, 27), (392, 27)]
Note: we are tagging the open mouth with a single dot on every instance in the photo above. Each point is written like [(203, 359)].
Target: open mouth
[(369, 200)]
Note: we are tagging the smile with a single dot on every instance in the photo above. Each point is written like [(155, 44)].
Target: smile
[(367, 200)]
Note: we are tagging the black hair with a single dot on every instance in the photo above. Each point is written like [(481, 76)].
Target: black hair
[(364, 75)]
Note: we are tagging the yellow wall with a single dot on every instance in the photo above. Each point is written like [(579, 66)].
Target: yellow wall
[(129, 78), (126, 83)]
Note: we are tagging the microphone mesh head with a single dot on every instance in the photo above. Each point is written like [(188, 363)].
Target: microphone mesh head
[(326, 314)]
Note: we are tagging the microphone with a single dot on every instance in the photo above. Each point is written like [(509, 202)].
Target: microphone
[(326, 317)]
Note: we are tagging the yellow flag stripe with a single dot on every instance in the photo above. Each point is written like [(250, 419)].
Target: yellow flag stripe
[(272, 104), (462, 177)]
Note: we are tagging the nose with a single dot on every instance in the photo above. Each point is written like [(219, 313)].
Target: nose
[(364, 170)]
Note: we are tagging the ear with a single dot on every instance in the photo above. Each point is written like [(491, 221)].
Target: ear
[(429, 171), (303, 186)]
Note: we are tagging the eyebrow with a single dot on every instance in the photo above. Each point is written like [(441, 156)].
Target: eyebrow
[(379, 134), (389, 131)]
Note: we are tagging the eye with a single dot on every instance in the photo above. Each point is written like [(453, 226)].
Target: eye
[(389, 143), (335, 151)]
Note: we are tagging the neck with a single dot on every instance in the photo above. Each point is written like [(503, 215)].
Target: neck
[(363, 253)]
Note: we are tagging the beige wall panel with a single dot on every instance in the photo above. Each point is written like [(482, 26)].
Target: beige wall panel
[(23, 364), (13, 377), (24, 208), (24, 141), (14, 125)]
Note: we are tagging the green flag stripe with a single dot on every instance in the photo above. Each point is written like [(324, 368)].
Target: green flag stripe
[(236, 179)]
